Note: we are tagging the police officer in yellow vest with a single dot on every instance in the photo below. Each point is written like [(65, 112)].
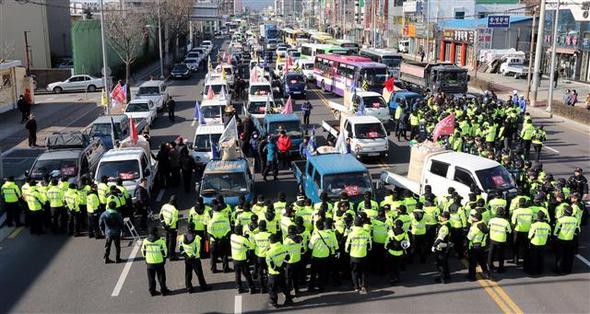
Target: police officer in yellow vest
[(103, 190), (93, 210), (261, 241), (358, 244), (35, 204), (441, 248), (219, 228), (56, 196), (566, 228), (190, 248), (526, 135), (241, 247), (396, 244), (11, 195), (538, 236), (154, 251), (276, 259), (521, 220), (477, 237), (499, 231), (322, 244), (539, 136), (418, 230), (72, 198), (169, 220), (295, 269), (198, 218)]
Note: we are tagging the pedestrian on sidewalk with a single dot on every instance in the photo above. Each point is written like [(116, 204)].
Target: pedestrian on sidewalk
[(555, 77), (24, 107), (31, 126), (171, 105)]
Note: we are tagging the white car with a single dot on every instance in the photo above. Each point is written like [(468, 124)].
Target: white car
[(199, 55), (155, 91), (141, 109), (76, 83), (228, 69), (306, 65), (281, 51), (207, 44), (192, 64)]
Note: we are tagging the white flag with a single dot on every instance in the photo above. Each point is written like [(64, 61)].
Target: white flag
[(230, 133), (222, 93), (340, 144)]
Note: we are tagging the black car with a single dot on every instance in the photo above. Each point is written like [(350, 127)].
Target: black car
[(180, 71)]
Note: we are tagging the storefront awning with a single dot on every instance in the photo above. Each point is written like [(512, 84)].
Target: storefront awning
[(569, 51)]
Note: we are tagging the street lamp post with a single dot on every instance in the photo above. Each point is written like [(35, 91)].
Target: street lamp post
[(553, 44), (160, 42), (538, 51), (104, 56)]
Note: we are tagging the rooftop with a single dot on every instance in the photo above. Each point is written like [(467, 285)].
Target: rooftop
[(467, 161), (337, 163)]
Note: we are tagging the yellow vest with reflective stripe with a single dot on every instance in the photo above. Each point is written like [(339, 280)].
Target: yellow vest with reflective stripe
[(499, 229), (103, 190), (154, 252), (56, 196), (275, 258), (34, 201), (72, 200), (169, 214), (92, 203), (565, 228), (192, 249), (539, 233), (11, 192)]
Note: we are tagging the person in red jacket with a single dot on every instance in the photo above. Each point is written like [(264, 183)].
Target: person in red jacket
[(284, 145)]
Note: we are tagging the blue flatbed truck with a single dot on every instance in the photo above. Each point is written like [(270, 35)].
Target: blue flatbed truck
[(231, 179), (334, 174), (271, 123)]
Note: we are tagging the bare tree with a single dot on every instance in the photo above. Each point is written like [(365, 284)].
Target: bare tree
[(176, 15), (126, 32)]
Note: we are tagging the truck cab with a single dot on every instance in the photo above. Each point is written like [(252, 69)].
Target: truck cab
[(445, 169), (368, 137), (205, 136), (397, 97), (217, 86), (102, 128), (212, 111), (375, 104), (333, 174), (155, 91), (256, 106), (231, 179), (273, 123), (131, 164)]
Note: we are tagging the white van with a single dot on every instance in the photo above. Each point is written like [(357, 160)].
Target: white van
[(212, 111), (205, 136), (260, 88), (256, 106), (306, 65), (218, 85)]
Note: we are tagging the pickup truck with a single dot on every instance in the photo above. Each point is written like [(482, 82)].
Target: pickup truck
[(444, 169), (514, 66), (367, 134), (272, 123), (131, 163), (333, 174), (409, 97), (231, 179), (155, 91)]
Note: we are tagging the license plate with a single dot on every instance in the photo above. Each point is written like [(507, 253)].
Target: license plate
[(373, 154), (296, 92)]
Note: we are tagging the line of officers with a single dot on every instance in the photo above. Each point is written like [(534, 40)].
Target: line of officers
[(271, 244), (60, 206)]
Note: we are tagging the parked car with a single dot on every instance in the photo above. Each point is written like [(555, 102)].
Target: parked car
[(180, 71), (207, 44), (76, 83), (192, 64), (141, 109)]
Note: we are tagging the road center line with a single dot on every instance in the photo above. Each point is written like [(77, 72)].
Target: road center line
[(583, 259), (125, 271), (238, 304), (551, 149), (160, 195)]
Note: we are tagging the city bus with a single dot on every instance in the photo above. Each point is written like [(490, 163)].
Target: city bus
[(294, 37), (337, 73), (310, 50), (389, 57), (321, 38), (350, 45)]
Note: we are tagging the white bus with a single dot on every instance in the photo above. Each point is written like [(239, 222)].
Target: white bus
[(311, 50), (389, 57)]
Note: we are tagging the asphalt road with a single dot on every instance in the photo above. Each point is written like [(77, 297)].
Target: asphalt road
[(60, 274)]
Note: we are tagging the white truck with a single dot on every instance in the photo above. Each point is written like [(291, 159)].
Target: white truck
[(131, 163), (155, 91), (442, 169), (514, 66), (368, 137), (205, 137), (375, 105)]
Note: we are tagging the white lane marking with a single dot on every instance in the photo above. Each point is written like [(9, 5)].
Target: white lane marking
[(583, 259), (160, 195), (125, 271), (238, 304), (551, 149)]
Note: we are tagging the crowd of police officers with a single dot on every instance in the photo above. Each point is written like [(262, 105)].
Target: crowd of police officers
[(271, 244)]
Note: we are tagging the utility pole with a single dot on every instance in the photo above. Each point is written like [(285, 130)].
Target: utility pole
[(529, 74), (427, 24), (104, 57), (538, 51), (27, 54), (160, 42), (553, 48)]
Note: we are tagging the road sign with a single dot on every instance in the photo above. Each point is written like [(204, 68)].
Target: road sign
[(499, 21)]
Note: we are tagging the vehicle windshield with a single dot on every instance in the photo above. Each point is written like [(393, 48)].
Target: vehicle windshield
[(496, 178), (369, 131), (227, 71), (260, 90), (104, 129), (216, 89), (374, 102), (392, 62), (137, 107), (307, 66), (203, 142), (190, 61), (193, 54), (295, 54), (124, 169), (354, 184), (374, 76), (295, 78), (149, 91), (293, 128), (452, 77), (224, 183), (179, 67), (257, 107), (59, 167), (211, 112)]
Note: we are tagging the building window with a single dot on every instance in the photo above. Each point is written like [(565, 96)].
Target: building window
[(460, 15), (483, 15), (398, 3)]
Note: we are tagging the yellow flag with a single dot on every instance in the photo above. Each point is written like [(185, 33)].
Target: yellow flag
[(104, 99), (223, 76)]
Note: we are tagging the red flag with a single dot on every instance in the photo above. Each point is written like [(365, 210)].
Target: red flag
[(288, 107), (445, 126), (228, 61), (118, 94), (389, 84), (210, 93), (134, 135)]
